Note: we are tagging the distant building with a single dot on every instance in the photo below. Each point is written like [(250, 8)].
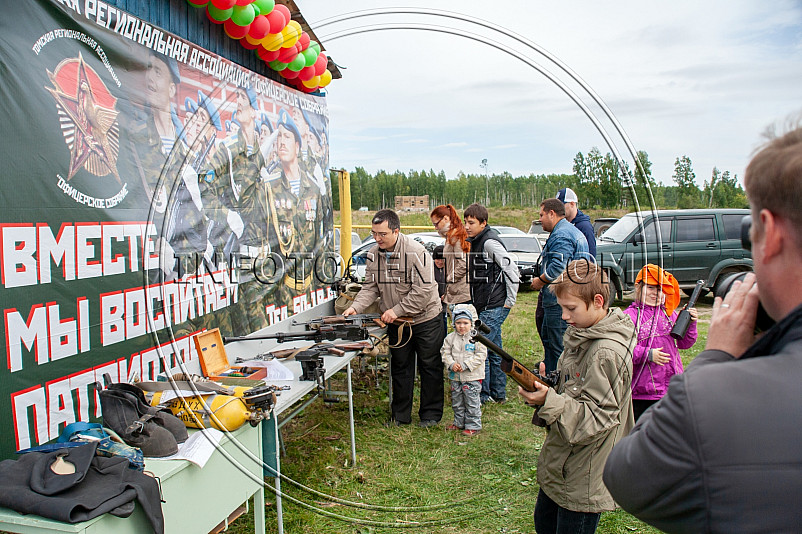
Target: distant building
[(412, 203)]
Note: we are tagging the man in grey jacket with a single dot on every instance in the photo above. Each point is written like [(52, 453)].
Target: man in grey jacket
[(721, 451), (401, 272)]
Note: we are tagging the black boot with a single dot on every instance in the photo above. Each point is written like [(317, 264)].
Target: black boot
[(161, 417), (122, 415)]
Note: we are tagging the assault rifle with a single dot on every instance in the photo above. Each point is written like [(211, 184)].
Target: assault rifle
[(350, 332), (512, 367), (335, 349), (361, 319)]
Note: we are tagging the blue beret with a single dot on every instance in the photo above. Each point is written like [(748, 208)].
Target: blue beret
[(285, 120)]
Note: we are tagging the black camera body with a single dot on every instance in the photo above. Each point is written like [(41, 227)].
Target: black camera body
[(528, 273)]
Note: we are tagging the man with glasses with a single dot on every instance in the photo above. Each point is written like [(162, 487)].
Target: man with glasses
[(720, 452), (401, 272)]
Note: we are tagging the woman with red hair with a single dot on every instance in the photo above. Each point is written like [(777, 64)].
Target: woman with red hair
[(455, 252)]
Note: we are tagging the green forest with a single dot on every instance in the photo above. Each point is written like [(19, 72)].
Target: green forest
[(597, 179)]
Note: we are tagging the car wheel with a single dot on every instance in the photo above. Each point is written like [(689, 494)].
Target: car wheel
[(603, 228), (613, 282)]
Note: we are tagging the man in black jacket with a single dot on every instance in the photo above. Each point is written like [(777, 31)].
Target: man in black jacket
[(721, 451)]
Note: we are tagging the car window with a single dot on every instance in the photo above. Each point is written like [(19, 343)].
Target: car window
[(620, 230), (650, 236), (695, 229), (732, 226), (521, 244)]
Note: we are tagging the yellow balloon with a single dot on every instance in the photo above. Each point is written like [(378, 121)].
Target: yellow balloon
[(291, 36), (297, 26), (325, 78), (273, 41), (312, 83)]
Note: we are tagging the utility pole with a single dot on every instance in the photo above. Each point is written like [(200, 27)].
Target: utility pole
[(487, 189)]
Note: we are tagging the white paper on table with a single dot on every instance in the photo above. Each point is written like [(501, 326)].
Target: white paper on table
[(198, 448), (275, 369), (170, 394)]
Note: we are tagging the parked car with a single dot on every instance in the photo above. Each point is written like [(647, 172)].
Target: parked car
[(356, 241), (507, 230), (359, 257), (536, 229), (601, 224), (694, 244), (525, 251)]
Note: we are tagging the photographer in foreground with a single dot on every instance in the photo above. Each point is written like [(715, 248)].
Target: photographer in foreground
[(721, 451)]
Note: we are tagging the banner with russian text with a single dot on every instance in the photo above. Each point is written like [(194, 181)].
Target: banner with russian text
[(150, 190)]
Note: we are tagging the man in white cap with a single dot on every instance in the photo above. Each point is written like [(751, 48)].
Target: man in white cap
[(577, 218)]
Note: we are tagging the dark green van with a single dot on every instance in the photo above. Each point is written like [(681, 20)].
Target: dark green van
[(693, 245)]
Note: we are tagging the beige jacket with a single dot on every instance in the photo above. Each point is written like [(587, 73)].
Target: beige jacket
[(457, 289), (405, 284), (460, 349), (587, 413)]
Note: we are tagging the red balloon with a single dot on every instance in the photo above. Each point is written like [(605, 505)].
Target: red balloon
[(303, 40), (277, 21), (284, 11), (306, 74), (244, 2), (224, 4), (320, 64), (267, 55), (244, 42), (260, 27), (234, 30), (287, 54), (288, 74)]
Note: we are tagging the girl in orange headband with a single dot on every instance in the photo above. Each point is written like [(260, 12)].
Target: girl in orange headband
[(656, 356)]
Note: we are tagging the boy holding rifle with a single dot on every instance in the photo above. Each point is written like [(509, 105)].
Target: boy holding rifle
[(590, 407)]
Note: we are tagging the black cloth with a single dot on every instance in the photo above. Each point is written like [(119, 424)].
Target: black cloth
[(99, 485), (425, 343), (720, 452), (485, 278)]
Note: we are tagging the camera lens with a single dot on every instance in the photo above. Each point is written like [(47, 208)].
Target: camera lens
[(762, 322)]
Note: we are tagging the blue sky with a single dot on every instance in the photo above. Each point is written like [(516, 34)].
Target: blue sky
[(702, 79)]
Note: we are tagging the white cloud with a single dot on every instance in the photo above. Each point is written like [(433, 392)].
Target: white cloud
[(682, 78)]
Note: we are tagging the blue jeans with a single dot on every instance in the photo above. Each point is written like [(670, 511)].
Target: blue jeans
[(551, 518), (495, 383), (551, 333)]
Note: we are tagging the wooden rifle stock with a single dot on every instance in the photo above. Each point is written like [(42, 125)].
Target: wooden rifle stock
[(511, 367)]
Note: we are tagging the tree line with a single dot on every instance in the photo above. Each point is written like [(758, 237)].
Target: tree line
[(597, 179)]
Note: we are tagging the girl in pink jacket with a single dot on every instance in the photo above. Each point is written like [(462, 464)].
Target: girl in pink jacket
[(656, 357)]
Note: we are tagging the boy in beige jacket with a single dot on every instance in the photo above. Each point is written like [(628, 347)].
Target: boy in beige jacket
[(465, 361), (588, 410)]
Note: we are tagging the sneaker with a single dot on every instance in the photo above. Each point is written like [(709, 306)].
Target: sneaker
[(452, 426), (487, 400), (500, 401), (470, 432), (426, 423)]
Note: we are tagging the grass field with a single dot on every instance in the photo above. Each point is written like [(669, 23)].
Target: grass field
[(429, 480)]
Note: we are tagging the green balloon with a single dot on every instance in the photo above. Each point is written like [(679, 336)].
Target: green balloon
[(316, 46), (264, 6), (243, 15), (310, 56), (297, 63), (277, 65), (220, 15)]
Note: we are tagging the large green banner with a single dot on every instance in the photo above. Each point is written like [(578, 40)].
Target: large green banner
[(150, 190)]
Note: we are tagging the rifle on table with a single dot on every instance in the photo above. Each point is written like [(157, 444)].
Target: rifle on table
[(361, 319), (348, 332), (525, 377), (335, 349)]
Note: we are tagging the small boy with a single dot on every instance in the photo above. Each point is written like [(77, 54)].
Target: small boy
[(588, 410), (465, 361)]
